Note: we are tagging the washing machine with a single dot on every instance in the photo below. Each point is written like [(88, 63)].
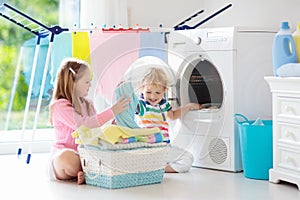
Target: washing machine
[(222, 69)]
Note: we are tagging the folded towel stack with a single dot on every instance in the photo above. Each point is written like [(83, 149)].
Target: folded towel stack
[(118, 137)]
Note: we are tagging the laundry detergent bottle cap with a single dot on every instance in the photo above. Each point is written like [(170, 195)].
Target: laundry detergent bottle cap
[(284, 50), (296, 36), (285, 26)]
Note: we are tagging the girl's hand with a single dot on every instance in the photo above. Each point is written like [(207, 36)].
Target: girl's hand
[(121, 105)]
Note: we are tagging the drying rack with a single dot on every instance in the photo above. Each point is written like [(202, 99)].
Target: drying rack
[(183, 26), (42, 31)]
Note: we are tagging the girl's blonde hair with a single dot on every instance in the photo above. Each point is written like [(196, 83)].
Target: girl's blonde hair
[(71, 70), (156, 76)]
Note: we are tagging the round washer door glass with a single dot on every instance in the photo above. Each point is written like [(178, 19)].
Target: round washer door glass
[(204, 84)]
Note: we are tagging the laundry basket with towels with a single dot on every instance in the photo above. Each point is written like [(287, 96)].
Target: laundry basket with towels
[(123, 168), (256, 146), (132, 161)]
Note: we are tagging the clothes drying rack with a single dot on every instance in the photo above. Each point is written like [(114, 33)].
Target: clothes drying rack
[(42, 31), (183, 26)]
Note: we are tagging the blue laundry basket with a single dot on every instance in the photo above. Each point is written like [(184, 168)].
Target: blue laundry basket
[(256, 147)]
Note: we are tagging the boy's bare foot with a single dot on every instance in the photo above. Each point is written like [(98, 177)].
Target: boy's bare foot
[(80, 178)]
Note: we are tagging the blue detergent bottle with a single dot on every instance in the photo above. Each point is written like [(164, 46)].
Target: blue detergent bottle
[(284, 50)]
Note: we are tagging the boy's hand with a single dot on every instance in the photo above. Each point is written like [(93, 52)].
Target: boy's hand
[(194, 106)]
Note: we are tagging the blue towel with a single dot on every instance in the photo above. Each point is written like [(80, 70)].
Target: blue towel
[(289, 70), (126, 118), (27, 61), (153, 44), (62, 48)]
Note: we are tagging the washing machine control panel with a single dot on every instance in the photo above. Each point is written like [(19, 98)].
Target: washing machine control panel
[(210, 39), (216, 37), (202, 39), (197, 40)]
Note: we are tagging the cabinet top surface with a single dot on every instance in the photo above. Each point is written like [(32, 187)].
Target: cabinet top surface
[(284, 84)]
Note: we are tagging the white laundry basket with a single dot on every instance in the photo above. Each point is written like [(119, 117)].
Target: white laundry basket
[(123, 168)]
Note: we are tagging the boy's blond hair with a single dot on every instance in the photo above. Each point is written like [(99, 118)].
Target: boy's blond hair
[(156, 76)]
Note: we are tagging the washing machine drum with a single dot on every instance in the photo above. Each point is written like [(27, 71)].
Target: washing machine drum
[(200, 82)]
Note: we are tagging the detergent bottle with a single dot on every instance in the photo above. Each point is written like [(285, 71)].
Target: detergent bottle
[(296, 36), (284, 50)]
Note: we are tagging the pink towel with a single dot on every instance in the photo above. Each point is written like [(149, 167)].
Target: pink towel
[(111, 55)]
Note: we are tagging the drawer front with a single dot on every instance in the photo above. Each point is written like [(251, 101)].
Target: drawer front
[(288, 133), (289, 160), (288, 109)]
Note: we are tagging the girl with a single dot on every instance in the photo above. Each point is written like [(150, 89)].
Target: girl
[(153, 111), (69, 109)]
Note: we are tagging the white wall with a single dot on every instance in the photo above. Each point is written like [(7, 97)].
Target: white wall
[(97, 13), (155, 12), (254, 13), (152, 13)]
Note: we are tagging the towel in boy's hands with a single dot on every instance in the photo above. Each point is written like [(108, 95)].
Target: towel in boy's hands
[(126, 118)]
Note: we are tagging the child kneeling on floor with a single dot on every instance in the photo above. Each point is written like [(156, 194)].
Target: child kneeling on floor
[(153, 111), (70, 109)]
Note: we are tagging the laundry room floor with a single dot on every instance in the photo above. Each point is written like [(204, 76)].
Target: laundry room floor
[(29, 181)]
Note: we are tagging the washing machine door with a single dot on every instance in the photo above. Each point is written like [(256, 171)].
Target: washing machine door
[(199, 82), (202, 132)]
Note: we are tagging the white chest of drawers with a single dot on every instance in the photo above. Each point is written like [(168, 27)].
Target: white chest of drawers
[(286, 129)]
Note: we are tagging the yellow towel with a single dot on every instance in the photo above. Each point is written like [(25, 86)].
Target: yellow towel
[(114, 133), (111, 133), (86, 136), (81, 46)]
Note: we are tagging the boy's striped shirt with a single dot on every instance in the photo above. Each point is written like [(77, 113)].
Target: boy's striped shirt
[(149, 116)]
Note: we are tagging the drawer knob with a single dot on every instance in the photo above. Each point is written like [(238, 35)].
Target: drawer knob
[(290, 161), (290, 134), (289, 109)]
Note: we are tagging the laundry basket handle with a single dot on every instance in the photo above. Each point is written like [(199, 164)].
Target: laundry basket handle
[(92, 177), (237, 116)]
